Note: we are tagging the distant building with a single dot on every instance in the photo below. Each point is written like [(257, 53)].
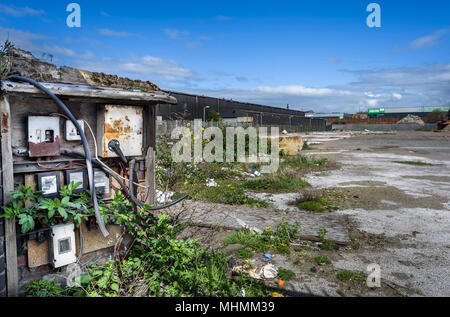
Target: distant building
[(402, 112), (325, 115)]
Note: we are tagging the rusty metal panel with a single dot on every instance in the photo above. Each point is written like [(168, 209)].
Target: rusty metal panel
[(124, 124), (43, 136)]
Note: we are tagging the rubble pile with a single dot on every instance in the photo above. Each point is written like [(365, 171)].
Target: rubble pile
[(411, 119)]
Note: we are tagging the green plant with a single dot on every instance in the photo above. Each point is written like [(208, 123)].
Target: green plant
[(350, 276), (285, 274), (325, 244), (279, 239), (322, 260), (245, 253), (44, 288), (276, 182), (416, 163), (354, 243), (5, 62), (32, 209)]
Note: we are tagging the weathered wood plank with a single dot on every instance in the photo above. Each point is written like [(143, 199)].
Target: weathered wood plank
[(8, 185), (150, 162), (67, 90)]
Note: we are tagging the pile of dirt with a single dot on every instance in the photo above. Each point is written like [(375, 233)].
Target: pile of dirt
[(411, 119), (23, 63)]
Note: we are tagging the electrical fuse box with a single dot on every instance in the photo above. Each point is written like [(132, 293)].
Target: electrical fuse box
[(77, 176), (49, 184), (101, 181), (72, 133), (62, 245), (124, 124), (43, 136)]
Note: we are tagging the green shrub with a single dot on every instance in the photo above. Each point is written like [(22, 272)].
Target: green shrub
[(285, 274)]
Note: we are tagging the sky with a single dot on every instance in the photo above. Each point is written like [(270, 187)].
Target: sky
[(313, 55)]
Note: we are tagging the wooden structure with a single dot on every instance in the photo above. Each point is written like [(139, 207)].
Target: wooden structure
[(18, 101)]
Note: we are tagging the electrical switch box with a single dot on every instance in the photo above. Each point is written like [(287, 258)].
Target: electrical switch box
[(62, 245), (72, 133), (43, 136), (49, 184), (77, 176), (101, 181), (124, 124)]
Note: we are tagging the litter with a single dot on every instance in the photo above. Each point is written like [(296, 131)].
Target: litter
[(211, 183), (163, 197), (267, 256), (276, 294), (280, 283), (269, 271)]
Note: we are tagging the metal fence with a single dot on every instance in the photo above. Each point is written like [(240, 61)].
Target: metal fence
[(386, 127), (307, 125)]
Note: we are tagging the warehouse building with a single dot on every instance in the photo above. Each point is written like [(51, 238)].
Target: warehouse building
[(402, 112), (190, 107)]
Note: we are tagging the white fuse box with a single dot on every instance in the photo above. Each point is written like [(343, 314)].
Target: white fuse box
[(72, 133), (124, 124), (62, 245)]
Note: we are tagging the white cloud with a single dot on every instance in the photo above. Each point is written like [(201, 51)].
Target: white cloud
[(429, 40), (397, 96), (301, 91), (223, 18), (109, 32), (20, 12), (175, 34)]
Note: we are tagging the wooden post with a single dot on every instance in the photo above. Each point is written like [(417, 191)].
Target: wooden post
[(150, 158), (150, 162), (8, 185)]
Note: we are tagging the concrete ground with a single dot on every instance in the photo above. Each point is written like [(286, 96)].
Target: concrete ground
[(399, 213)]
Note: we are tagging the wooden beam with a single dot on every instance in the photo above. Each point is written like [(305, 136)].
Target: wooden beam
[(8, 185), (67, 90), (150, 162)]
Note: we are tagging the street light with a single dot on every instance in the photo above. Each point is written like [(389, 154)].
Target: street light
[(204, 112)]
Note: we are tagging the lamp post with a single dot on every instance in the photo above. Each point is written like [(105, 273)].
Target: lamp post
[(204, 112)]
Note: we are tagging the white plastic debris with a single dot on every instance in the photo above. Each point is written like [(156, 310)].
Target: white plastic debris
[(211, 183), (269, 271), (163, 197)]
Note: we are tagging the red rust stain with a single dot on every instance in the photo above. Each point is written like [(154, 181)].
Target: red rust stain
[(5, 122)]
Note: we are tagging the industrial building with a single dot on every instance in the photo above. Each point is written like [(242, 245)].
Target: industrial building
[(401, 112), (190, 107)]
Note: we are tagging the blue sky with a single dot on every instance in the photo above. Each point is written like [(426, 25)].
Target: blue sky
[(317, 55)]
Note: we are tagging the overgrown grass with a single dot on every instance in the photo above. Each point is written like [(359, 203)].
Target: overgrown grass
[(302, 161), (231, 194), (350, 276), (245, 253), (159, 265), (276, 183), (285, 274), (322, 260), (416, 163), (313, 201), (278, 239)]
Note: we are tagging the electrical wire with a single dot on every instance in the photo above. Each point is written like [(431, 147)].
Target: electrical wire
[(83, 138)]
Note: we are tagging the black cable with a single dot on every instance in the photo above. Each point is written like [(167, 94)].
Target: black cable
[(124, 187), (84, 140)]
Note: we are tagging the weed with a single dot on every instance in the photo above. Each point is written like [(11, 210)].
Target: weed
[(354, 243), (350, 276), (224, 194), (302, 161), (313, 201), (280, 238), (276, 182), (245, 253), (285, 274), (326, 244), (322, 260), (44, 288), (416, 163)]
